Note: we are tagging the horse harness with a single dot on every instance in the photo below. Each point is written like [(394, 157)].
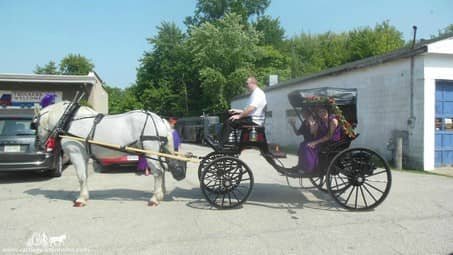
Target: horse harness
[(64, 124)]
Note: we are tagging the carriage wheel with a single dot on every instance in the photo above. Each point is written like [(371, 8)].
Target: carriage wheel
[(358, 179), (319, 182), (208, 159), (226, 182)]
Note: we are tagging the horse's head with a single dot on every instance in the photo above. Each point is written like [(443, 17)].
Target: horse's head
[(45, 119)]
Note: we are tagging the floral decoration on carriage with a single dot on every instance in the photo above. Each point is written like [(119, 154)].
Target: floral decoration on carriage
[(339, 101), (334, 109)]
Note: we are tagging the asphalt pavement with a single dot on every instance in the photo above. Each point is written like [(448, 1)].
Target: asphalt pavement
[(37, 216)]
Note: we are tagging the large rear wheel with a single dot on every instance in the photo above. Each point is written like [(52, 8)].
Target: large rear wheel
[(226, 182), (358, 179)]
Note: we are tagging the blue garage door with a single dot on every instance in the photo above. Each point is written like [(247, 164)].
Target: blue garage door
[(444, 123)]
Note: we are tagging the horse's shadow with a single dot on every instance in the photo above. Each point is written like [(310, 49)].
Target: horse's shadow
[(106, 195)]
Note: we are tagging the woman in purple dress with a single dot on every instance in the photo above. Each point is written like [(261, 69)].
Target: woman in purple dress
[(328, 130), (142, 165)]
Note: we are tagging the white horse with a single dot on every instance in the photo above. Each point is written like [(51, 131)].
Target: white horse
[(135, 127)]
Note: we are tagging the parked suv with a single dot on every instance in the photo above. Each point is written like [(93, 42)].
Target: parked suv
[(19, 150)]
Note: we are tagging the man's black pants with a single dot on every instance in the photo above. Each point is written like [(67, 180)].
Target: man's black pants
[(229, 125)]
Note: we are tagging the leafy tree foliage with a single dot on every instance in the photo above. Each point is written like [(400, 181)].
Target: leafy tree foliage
[(272, 32), (220, 51), (213, 10), (314, 53), (448, 30), (164, 71), (228, 40), (122, 100), (367, 42), (49, 68), (75, 64)]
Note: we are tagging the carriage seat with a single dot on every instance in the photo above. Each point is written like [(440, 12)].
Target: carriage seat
[(335, 147)]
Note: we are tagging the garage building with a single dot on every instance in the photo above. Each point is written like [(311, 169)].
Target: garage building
[(19, 92), (407, 93)]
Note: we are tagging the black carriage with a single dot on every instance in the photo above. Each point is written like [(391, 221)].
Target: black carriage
[(356, 178)]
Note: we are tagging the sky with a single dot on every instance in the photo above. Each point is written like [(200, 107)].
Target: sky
[(112, 33)]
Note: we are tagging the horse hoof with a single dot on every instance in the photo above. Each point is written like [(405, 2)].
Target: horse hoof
[(78, 204), (153, 204)]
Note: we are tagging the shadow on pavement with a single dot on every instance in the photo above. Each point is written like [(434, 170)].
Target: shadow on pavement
[(22, 177), (274, 196), (108, 194)]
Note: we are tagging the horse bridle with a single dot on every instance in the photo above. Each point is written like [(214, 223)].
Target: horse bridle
[(60, 127)]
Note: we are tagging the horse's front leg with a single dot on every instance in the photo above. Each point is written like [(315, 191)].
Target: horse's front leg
[(158, 194), (79, 159)]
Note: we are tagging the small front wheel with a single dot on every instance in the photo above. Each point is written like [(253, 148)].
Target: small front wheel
[(226, 182), (208, 159)]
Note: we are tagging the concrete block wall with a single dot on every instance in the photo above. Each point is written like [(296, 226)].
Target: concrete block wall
[(383, 106)]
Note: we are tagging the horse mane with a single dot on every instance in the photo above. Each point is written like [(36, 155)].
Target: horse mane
[(52, 113)]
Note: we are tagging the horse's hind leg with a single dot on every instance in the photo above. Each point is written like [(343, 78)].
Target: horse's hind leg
[(80, 161)]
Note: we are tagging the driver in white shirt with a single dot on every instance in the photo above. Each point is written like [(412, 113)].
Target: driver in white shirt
[(253, 113)]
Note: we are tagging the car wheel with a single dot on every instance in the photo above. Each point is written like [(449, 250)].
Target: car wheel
[(58, 170)]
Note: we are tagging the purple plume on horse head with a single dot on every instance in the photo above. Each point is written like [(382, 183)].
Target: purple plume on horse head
[(48, 99)]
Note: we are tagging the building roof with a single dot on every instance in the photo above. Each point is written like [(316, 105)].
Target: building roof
[(419, 48), (91, 78)]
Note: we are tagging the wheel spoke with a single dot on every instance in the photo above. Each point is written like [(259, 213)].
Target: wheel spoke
[(234, 195), (349, 196), (371, 194), (366, 183), (343, 183), (242, 194), (381, 172), (223, 199), (343, 190), (363, 196)]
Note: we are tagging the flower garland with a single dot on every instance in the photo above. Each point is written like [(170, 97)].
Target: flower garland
[(330, 102)]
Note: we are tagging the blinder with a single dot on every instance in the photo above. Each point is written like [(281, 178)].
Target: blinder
[(177, 168)]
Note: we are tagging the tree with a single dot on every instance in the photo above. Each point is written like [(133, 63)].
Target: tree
[(448, 30), (273, 33), (75, 64), (314, 53), (271, 61), (367, 42), (212, 10), (220, 49), (122, 100), (164, 74), (49, 68)]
